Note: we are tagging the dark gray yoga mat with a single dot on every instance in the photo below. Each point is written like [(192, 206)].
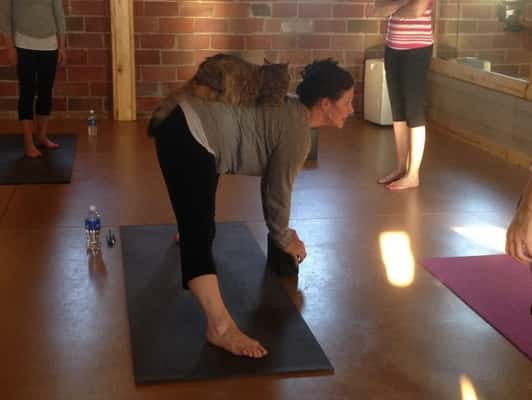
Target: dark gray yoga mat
[(167, 328), (54, 167)]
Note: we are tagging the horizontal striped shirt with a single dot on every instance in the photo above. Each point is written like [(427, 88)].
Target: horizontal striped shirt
[(410, 33)]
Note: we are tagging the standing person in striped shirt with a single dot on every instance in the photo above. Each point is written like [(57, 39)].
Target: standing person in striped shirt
[(407, 58)]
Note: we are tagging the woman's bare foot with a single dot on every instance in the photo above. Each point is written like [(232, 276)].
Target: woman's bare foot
[(403, 183), (47, 143), (231, 339), (391, 177), (32, 152)]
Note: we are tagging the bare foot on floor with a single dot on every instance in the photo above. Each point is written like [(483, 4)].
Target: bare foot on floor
[(32, 152), (47, 143), (403, 183), (391, 177), (234, 341)]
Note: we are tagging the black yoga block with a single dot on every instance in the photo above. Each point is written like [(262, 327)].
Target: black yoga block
[(279, 261)]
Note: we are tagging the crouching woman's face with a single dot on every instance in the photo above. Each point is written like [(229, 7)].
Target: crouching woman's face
[(337, 111)]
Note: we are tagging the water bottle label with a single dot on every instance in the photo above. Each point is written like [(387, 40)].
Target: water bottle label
[(92, 224)]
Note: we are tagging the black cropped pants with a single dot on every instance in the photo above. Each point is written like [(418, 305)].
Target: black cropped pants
[(36, 74), (406, 77), (189, 172)]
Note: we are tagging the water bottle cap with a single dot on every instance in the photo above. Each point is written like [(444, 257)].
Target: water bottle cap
[(92, 208), (91, 112)]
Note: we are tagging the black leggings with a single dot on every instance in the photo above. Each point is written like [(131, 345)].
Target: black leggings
[(190, 175), (406, 77), (36, 73)]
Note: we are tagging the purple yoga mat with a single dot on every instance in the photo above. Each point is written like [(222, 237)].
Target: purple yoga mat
[(496, 287)]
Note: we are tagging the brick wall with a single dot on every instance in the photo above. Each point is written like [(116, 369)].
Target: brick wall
[(471, 28), (173, 37), (86, 82)]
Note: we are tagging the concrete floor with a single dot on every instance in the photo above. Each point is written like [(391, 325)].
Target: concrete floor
[(64, 323)]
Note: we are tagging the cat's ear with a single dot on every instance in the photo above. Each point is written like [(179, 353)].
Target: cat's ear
[(266, 61)]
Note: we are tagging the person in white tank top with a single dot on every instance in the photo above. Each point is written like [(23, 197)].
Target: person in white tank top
[(34, 34)]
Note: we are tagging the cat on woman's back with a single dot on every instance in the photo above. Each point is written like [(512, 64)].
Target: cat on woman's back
[(229, 79)]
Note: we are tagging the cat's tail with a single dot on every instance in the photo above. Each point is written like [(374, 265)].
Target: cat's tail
[(167, 106)]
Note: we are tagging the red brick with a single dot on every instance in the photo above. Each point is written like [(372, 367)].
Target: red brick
[(8, 73), (9, 104), (246, 25), (143, 57), (194, 42), (210, 25), (145, 89), (272, 25), (74, 24), (157, 41), (161, 9), (71, 89), (99, 57), (258, 42), (284, 42), (8, 89), (61, 74), (92, 7), (102, 89), (348, 10), (354, 57), (196, 10), (154, 74), (59, 103), (86, 73), (85, 40), (84, 103), (330, 25), (146, 24), (97, 24), (185, 73), (314, 10), (285, 10), (147, 104), (226, 42), (178, 57), (295, 57), (231, 10), (176, 25), (348, 42), (314, 42), (138, 8), (3, 57)]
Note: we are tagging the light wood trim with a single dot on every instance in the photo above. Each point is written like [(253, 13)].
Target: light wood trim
[(501, 83), (123, 49), (435, 27), (529, 92)]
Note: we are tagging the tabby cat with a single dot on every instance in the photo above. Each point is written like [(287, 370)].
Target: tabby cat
[(232, 80)]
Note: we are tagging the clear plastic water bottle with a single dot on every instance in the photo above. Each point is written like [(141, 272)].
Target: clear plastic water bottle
[(91, 124), (92, 230)]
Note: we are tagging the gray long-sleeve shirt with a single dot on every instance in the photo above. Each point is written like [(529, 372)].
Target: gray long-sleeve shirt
[(268, 141), (35, 18)]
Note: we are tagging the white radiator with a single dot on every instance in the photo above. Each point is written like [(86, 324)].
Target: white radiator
[(376, 101)]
